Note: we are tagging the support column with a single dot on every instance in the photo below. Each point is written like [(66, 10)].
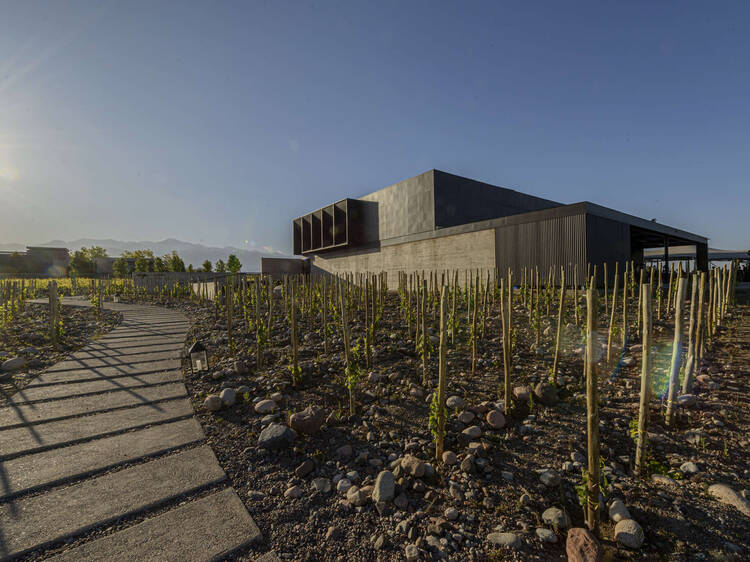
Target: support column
[(701, 257)]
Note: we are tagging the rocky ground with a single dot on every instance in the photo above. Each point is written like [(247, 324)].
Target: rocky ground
[(26, 348), (367, 487)]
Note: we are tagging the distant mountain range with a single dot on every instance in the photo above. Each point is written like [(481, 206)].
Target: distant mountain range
[(190, 253)]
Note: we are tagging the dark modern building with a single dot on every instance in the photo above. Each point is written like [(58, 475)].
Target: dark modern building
[(438, 221), (36, 260)]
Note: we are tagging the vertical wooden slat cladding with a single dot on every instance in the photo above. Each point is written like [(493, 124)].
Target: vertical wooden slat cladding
[(607, 240), (557, 241)]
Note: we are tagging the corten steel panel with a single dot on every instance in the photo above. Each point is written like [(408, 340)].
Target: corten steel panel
[(297, 228), (553, 242), (460, 200), (316, 221), (327, 226), (306, 234), (407, 207), (340, 235)]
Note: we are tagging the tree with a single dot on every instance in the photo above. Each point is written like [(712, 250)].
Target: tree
[(207, 266), (82, 263), (190, 268), (233, 264), (121, 267), (161, 264), (221, 266), (176, 263), (144, 259)]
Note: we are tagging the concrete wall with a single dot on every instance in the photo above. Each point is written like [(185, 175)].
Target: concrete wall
[(471, 250)]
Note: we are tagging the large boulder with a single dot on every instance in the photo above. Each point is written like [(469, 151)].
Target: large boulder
[(308, 421), (276, 436), (727, 495), (582, 546), (13, 364)]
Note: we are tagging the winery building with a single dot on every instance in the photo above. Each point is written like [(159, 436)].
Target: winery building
[(438, 221)]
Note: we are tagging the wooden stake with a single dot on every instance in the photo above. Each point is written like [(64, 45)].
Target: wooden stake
[(676, 351), (640, 452), (442, 377), (592, 408)]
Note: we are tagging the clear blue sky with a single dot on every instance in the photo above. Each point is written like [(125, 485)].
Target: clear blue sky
[(218, 122)]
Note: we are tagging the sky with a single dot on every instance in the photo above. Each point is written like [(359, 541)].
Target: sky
[(218, 122)]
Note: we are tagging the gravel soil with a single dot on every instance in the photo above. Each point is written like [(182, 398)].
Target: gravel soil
[(28, 336), (496, 484)]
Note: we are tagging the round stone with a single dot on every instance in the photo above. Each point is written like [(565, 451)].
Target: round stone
[(212, 403), (546, 535), (449, 458), (629, 534), (228, 396), (495, 419)]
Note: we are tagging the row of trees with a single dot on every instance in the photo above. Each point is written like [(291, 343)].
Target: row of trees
[(83, 263), (232, 265)]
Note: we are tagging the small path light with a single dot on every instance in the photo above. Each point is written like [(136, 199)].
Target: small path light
[(198, 358)]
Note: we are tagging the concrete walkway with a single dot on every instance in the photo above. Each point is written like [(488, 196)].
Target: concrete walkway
[(106, 436)]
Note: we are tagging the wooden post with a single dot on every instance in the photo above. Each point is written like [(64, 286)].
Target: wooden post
[(687, 381), (442, 377), (53, 313), (640, 452), (606, 290), (474, 333), (612, 315), (229, 305), (553, 376), (625, 307), (347, 358), (258, 326), (676, 351), (293, 318), (592, 409), (425, 380), (368, 343)]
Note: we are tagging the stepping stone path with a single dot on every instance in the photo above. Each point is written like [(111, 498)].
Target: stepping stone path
[(109, 435)]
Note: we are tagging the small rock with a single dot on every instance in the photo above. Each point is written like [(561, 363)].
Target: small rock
[(385, 487), (322, 485), (546, 535), (451, 514), (687, 400), (466, 417), (495, 419), (618, 512), (454, 402), (449, 458), (550, 478), (411, 552), (413, 466), (213, 403), (545, 393), (582, 546), (521, 394), (356, 497), (308, 421), (228, 396), (295, 492), (509, 540), (265, 406), (473, 432), (344, 452), (556, 517), (629, 534), (305, 468), (333, 533), (276, 436), (689, 468), (343, 485)]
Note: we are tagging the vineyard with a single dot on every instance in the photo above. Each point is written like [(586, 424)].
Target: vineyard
[(471, 414)]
